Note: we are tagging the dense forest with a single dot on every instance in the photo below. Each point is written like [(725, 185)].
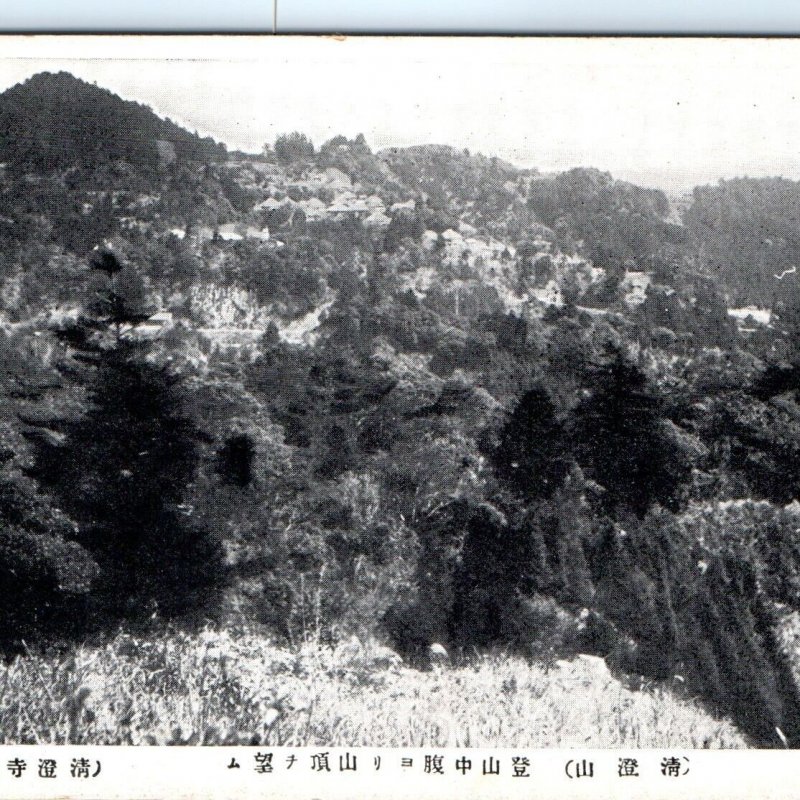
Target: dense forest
[(419, 392)]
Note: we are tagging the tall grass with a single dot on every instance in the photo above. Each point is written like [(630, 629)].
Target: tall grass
[(238, 688)]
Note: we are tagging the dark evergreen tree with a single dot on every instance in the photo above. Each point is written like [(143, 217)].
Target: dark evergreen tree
[(121, 465), (105, 260), (404, 225), (121, 471), (621, 441), (492, 571), (532, 453)]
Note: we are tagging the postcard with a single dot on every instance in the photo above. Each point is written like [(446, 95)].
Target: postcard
[(399, 417)]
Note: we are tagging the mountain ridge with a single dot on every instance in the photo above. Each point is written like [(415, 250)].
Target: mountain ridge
[(54, 120)]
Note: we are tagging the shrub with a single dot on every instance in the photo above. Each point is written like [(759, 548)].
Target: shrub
[(541, 628), (45, 583), (45, 577), (472, 565), (757, 441)]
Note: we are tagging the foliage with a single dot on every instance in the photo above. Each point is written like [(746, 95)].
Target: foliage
[(293, 147), (620, 224), (404, 225), (623, 445), (45, 576), (756, 443), (55, 121), (45, 582), (748, 234), (121, 471), (451, 421), (532, 452), (700, 592)]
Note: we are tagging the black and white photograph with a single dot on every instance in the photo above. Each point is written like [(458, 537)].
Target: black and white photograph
[(400, 392)]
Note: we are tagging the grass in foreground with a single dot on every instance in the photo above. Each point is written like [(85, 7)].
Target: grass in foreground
[(238, 688)]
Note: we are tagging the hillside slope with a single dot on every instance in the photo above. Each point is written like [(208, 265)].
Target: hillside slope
[(236, 688), (56, 121)]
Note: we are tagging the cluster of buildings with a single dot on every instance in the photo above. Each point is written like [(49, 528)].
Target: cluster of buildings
[(370, 210)]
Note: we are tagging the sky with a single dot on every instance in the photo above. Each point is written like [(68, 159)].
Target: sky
[(671, 113)]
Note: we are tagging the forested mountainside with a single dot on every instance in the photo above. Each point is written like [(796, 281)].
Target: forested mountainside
[(418, 391), (57, 122)]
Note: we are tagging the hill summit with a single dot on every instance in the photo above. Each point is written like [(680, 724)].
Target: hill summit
[(54, 121)]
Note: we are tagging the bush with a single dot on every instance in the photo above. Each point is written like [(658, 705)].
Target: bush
[(44, 585), (472, 567), (45, 577), (539, 627), (759, 442)]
